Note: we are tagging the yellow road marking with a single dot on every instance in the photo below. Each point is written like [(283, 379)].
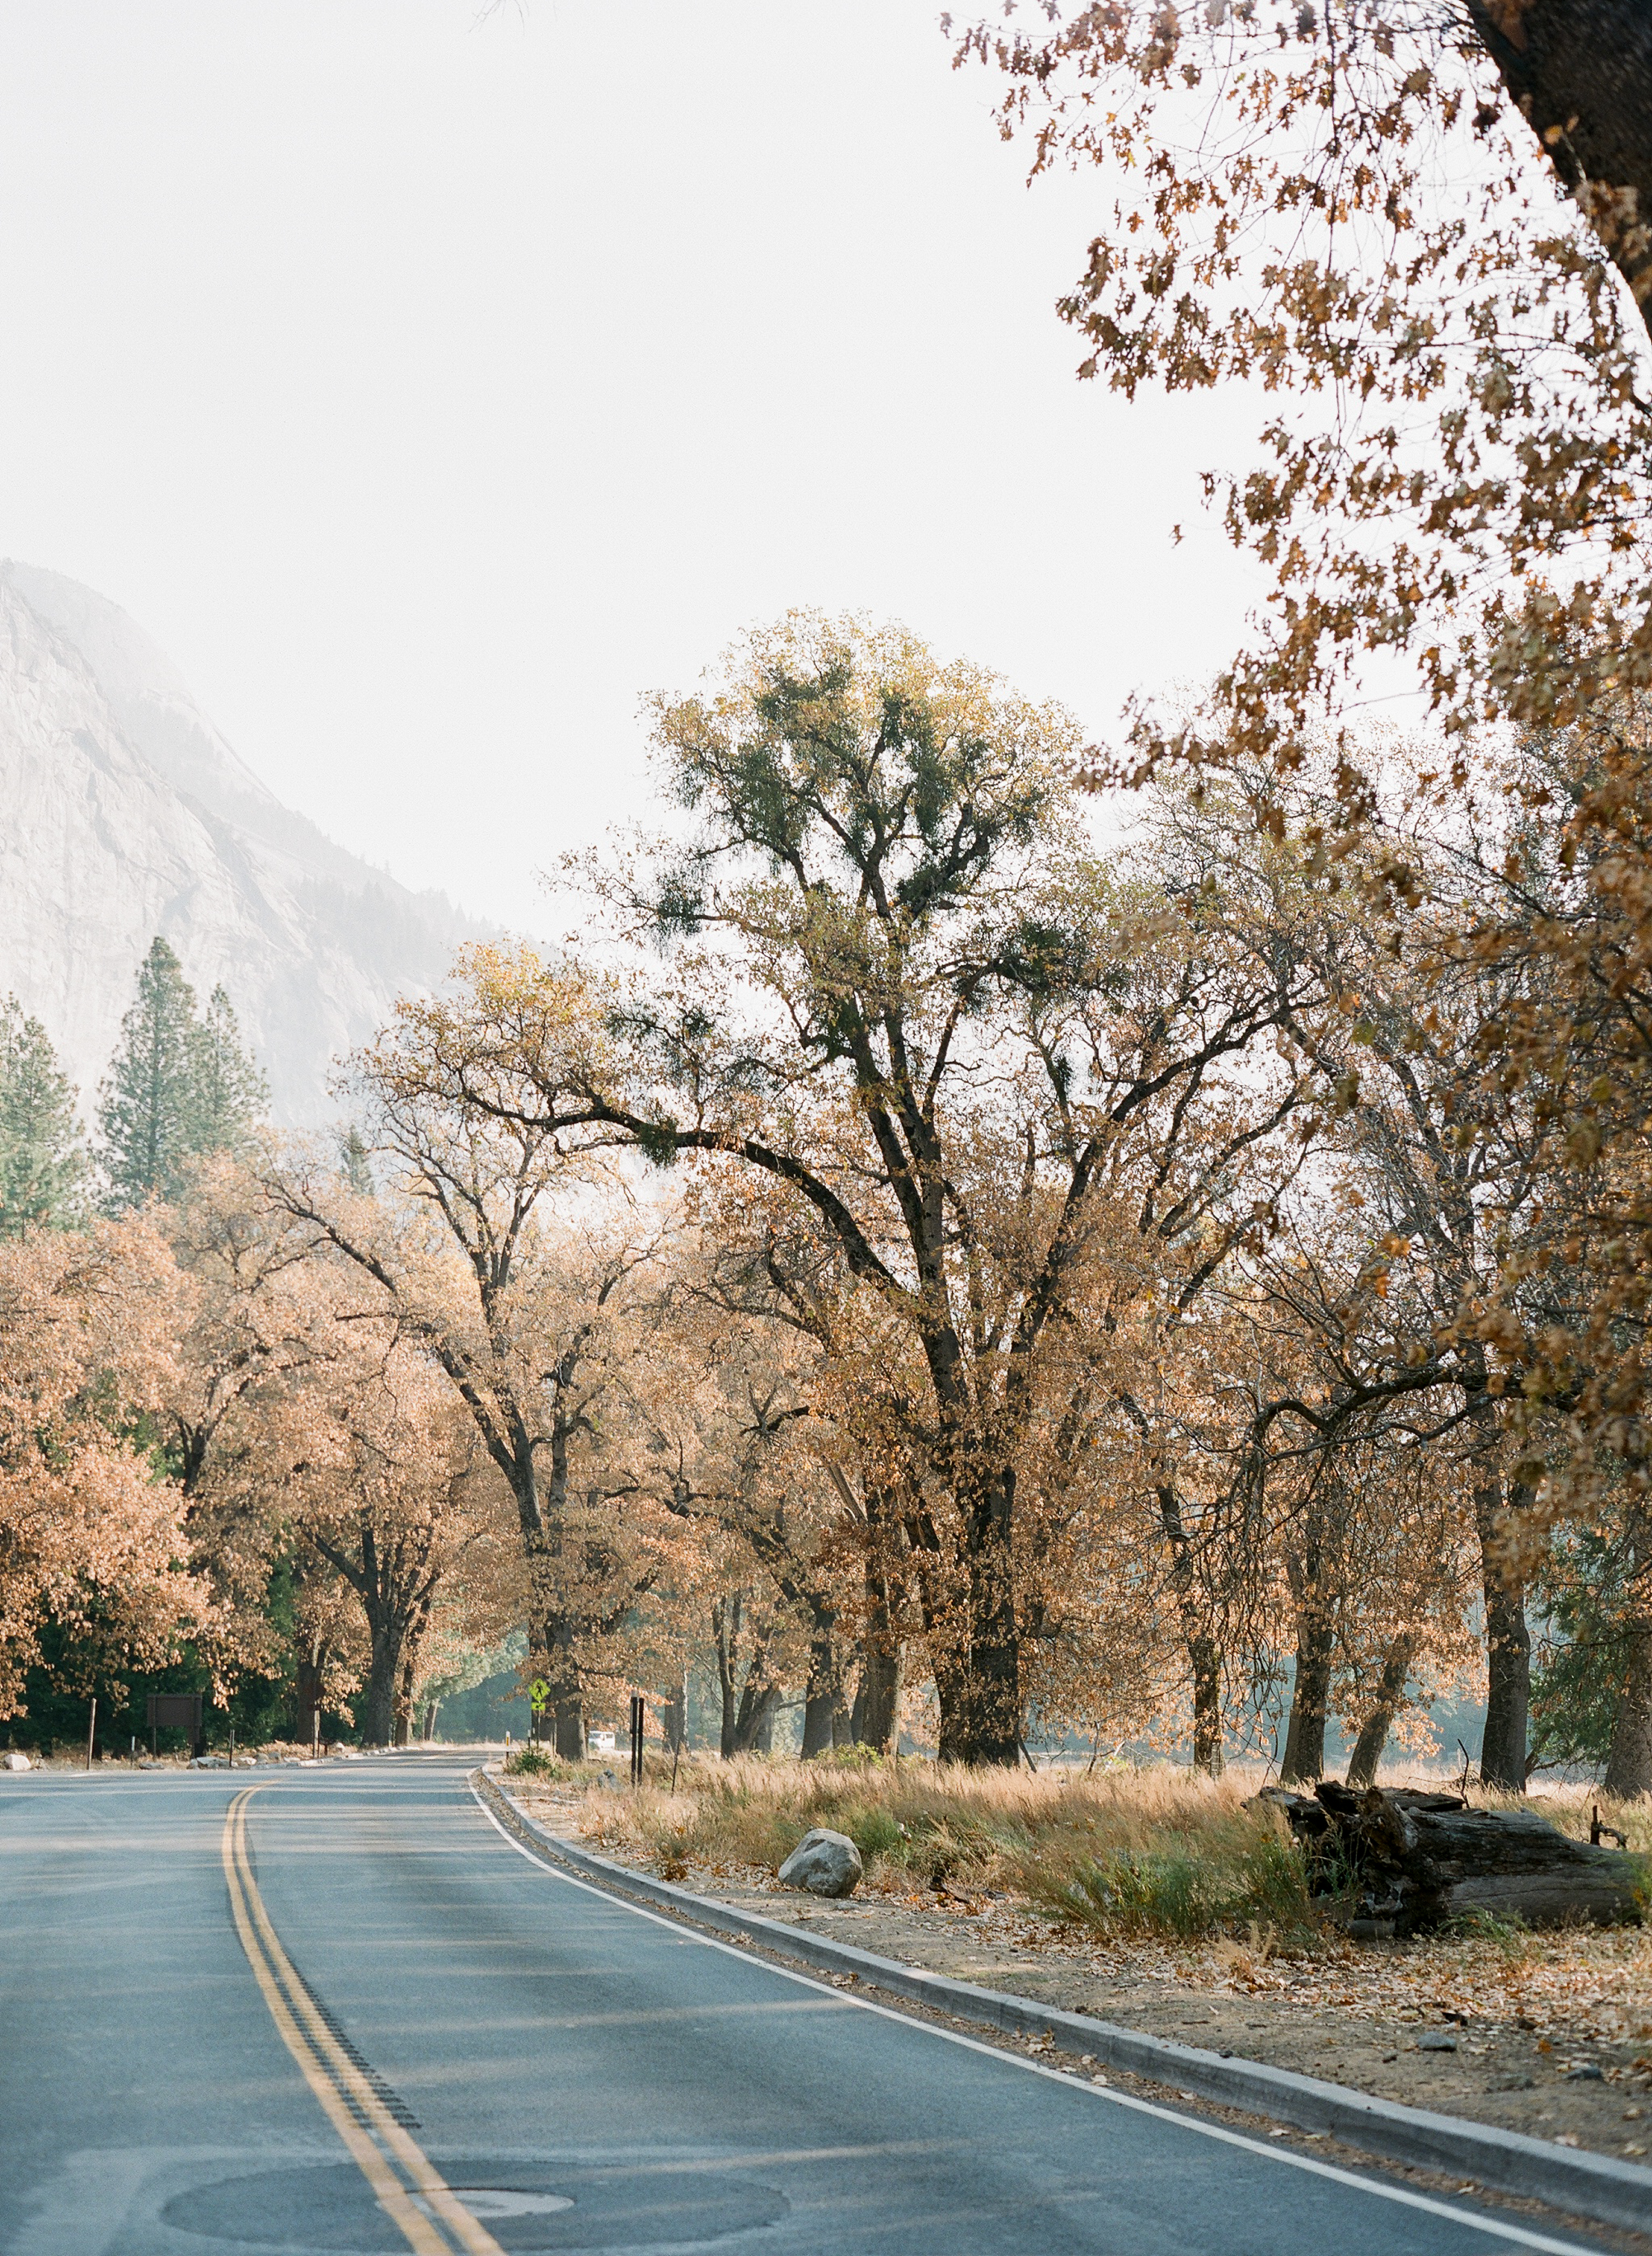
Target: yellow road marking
[(332, 2075)]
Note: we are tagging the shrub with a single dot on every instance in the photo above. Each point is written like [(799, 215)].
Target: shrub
[(532, 1760)]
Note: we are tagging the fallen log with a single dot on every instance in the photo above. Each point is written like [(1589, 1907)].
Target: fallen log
[(1404, 1862)]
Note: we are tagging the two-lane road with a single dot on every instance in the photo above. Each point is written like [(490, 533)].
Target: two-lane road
[(344, 2013)]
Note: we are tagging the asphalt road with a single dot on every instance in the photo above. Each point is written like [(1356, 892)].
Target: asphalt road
[(349, 2014)]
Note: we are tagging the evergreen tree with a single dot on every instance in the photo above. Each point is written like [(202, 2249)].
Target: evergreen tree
[(229, 1092), (179, 1086), (43, 1164), (358, 1168)]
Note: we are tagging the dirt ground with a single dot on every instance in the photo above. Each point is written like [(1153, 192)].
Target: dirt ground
[(1550, 2034)]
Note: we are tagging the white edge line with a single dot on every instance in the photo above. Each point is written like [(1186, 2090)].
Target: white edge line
[(1385, 2191)]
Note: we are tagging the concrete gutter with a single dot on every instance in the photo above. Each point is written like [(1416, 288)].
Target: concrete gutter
[(1596, 2186)]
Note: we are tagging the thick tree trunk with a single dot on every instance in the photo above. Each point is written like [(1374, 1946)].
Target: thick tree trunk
[(1630, 1770), (378, 1712), (1205, 1658), (877, 1699), (1502, 1758), (1204, 1653), (564, 1721), (877, 1694), (980, 1698), (1315, 1575), (308, 1717), (404, 1698), (824, 1694), (1304, 1756), (725, 1630), (1374, 1732), (568, 1728), (1581, 71)]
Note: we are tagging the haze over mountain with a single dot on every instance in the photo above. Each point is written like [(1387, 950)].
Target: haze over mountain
[(126, 814)]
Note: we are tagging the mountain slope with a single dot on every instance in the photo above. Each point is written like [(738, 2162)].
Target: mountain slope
[(123, 812)]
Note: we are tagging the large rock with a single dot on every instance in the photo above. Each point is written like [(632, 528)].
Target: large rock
[(17, 1760), (825, 1863)]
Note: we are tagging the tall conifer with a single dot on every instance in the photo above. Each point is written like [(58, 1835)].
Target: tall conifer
[(229, 1092), (43, 1163), (179, 1086)]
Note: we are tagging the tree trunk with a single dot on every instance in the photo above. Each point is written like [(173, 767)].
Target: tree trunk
[(825, 1690), (565, 1708), (308, 1719), (404, 1702), (877, 1693), (759, 1697), (980, 1699), (1630, 1770), (1205, 1657), (1304, 1756), (568, 1728), (378, 1715), (1374, 1732), (725, 1630), (1502, 1758), (676, 1715), (1581, 71), (430, 1721), (1315, 1576), (1204, 1654), (876, 1698)]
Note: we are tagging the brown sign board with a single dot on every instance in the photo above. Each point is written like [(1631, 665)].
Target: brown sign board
[(174, 1711)]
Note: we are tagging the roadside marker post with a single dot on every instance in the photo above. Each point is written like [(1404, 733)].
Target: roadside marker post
[(638, 1715), (91, 1731)]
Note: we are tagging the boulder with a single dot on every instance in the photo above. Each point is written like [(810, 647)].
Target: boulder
[(825, 1863), (17, 1760)]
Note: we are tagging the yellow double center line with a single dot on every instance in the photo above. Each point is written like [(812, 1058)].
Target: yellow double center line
[(405, 2184)]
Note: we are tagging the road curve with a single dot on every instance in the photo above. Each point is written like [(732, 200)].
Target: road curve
[(346, 2015)]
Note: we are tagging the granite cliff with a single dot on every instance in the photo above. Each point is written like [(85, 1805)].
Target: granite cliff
[(123, 812)]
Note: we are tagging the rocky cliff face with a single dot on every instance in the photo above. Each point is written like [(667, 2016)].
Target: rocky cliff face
[(123, 812)]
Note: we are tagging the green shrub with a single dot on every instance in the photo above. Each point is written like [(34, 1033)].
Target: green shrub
[(533, 1760), (1134, 1892), (875, 1832)]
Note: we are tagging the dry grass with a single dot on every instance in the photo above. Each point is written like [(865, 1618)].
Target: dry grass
[(1127, 1850), (1143, 1851)]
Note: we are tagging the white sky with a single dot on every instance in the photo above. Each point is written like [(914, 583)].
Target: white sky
[(431, 387)]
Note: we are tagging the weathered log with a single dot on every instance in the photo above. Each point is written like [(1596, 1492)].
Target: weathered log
[(1404, 1861)]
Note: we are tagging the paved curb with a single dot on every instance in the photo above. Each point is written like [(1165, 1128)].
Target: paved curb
[(1596, 2186)]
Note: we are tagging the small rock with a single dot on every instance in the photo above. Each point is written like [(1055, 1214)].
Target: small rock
[(826, 1864), (17, 1760), (1515, 2084), (209, 1762), (1586, 2072), (1435, 2040)]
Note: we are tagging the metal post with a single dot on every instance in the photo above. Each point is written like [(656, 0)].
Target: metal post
[(91, 1731), (638, 1712)]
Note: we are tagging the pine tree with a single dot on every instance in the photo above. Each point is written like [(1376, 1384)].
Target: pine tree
[(179, 1085), (229, 1092), (43, 1163), (357, 1169)]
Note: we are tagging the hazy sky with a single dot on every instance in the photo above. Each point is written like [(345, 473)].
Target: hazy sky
[(431, 384)]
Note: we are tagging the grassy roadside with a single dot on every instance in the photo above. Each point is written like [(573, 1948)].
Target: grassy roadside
[(1123, 1851)]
